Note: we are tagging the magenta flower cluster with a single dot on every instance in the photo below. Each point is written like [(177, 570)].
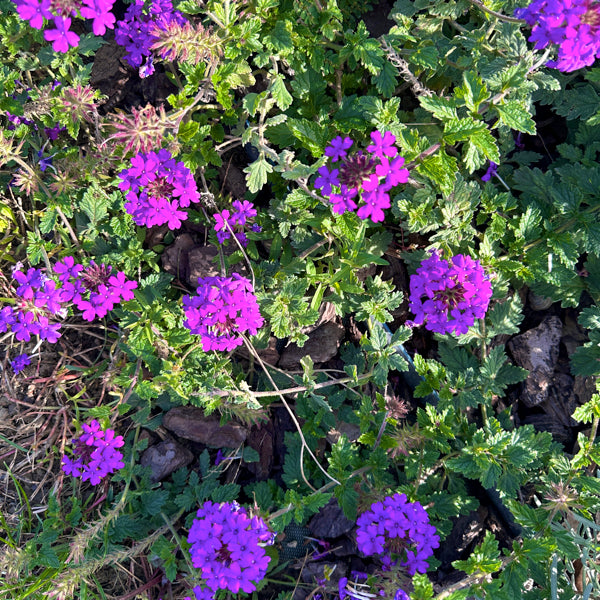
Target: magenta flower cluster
[(228, 222), (95, 289), (95, 454), (227, 546), (398, 527), (366, 176), (136, 31), (223, 309), (60, 13), (572, 25), (449, 295), (158, 188), (39, 299)]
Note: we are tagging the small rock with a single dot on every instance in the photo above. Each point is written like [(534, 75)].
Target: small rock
[(537, 351), (583, 389), (165, 458), (175, 258), (189, 422), (322, 344), (330, 522), (261, 438), (201, 264), (539, 302), (351, 431), (316, 571), (466, 532)]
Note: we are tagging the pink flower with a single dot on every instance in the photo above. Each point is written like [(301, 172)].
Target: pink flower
[(61, 37)]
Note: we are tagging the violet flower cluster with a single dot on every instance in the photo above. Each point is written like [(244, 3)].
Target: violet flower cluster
[(19, 362), (39, 299), (228, 546), (95, 454), (95, 289), (449, 295), (137, 32), (366, 176), (158, 188), (228, 222), (60, 13), (223, 309), (572, 25), (396, 526)]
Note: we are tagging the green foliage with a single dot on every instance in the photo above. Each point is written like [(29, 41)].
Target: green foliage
[(459, 87)]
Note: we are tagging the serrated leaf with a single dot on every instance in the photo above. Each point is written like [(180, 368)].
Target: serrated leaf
[(257, 173), (95, 205), (459, 130), (282, 97), (385, 80), (472, 91), (312, 135), (442, 108), (515, 115), (441, 169), (280, 39)]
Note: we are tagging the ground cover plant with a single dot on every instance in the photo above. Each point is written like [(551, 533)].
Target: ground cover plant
[(299, 299)]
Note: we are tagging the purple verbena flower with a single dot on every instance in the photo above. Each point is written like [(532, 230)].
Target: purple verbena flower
[(572, 25), (227, 546), (136, 31), (491, 172), (223, 309), (235, 221), (95, 454), (383, 145), (20, 362), (337, 148), (326, 179), (34, 11), (28, 282), (364, 176), (415, 539), (61, 37), (158, 187), (449, 295)]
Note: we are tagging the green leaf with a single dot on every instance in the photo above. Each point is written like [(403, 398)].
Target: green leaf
[(152, 501), (515, 115), (473, 91), (95, 205), (257, 173), (282, 97), (505, 317), (441, 169), (385, 80), (280, 38), (442, 108), (459, 130), (312, 135), (484, 559)]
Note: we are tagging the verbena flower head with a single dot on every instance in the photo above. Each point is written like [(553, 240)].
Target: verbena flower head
[(60, 13), (20, 362), (448, 295), (94, 289), (573, 25), (95, 454), (366, 176), (224, 308), (398, 527), (228, 222), (227, 546), (158, 187), (137, 32)]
